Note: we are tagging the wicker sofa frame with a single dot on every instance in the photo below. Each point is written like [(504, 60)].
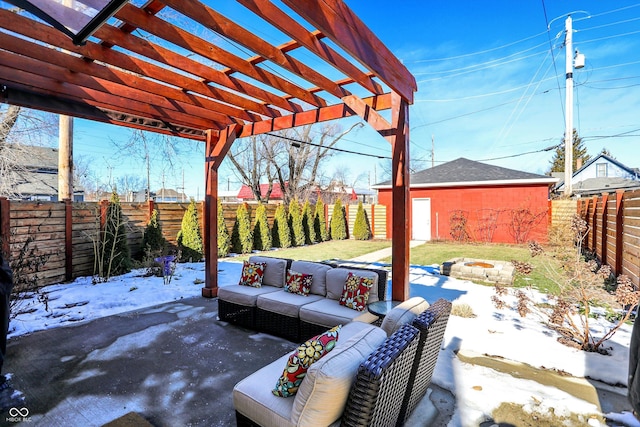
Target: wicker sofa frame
[(288, 327), (393, 379)]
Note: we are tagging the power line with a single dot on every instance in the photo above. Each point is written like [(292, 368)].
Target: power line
[(299, 141)]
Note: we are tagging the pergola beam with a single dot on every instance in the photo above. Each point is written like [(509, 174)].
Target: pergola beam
[(187, 84)]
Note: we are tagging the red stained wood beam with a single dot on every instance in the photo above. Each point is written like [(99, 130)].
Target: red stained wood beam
[(139, 67), (336, 21), (221, 25), (401, 202), (333, 112), (102, 100), (208, 74), (186, 40), (216, 148), (310, 40)]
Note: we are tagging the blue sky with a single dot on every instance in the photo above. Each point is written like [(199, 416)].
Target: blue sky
[(491, 87)]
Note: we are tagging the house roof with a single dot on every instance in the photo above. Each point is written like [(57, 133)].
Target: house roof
[(604, 183), (465, 172), (591, 186), (246, 193)]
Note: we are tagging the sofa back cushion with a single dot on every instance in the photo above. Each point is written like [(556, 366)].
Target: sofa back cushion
[(337, 278), (403, 313), (317, 270), (275, 271), (323, 393)]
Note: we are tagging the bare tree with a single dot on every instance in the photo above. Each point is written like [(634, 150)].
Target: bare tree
[(249, 158), (293, 159), (153, 149), (20, 128)]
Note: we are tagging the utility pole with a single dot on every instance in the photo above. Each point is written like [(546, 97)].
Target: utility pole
[(433, 151), (65, 158), (568, 122)]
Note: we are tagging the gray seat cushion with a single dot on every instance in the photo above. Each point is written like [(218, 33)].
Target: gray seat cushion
[(403, 313), (285, 303), (337, 277), (317, 270), (323, 393), (328, 312), (244, 295), (275, 271)]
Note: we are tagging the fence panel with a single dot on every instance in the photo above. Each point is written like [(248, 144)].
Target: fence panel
[(631, 236), (562, 211), (38, 229)]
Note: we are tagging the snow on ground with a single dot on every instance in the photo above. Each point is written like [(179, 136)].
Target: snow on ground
[(479, 390)]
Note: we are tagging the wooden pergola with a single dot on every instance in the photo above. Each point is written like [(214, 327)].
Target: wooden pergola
[(146, 69)]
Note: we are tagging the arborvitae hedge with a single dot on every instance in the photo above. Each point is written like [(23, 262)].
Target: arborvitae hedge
[(361, 228), (261, 232), (319, 222), (224, 239), (189, 237), (307, 223), (295, 222), (338, 222), (242, 236), (153, 241), (117, 256), (280, 231)]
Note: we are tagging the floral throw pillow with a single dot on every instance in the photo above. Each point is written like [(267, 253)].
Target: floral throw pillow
[(252, 273), (301, 359), (298, 283), (356, 292)]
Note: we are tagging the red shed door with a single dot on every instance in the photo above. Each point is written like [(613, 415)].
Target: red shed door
[(421, 219)]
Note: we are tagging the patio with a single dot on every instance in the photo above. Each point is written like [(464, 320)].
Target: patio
[(158, 362)]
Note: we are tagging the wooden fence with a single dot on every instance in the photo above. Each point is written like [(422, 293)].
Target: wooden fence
[(64, 233), (614, 230)]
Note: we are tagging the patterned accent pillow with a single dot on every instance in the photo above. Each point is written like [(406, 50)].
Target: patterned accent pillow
[(302, 358), (252, 273), (298, 283), (356, 292)]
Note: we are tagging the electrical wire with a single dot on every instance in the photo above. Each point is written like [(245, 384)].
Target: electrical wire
[(299, 141), (555, 67)]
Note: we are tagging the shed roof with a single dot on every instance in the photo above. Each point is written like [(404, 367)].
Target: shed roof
[(465, 172)]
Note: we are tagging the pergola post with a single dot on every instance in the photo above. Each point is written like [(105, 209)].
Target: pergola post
[(217, 146), (400, 199)]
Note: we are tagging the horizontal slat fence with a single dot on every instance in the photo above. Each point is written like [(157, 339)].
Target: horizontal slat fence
[(614, 230), (55, 229)]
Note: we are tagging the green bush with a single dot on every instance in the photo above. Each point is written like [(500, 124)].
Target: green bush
[(224, 239), (307, 223), (242, 235), (338, 222), (116, 255), (261, 232), (361, 227), (189, 237), (320, 223), (153, 241), (280, 232), (295, 222)]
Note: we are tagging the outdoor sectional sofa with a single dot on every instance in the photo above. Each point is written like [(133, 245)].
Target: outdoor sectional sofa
[(269, 308), (373, 376)]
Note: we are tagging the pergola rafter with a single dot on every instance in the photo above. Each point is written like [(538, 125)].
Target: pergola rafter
[(145, 71)]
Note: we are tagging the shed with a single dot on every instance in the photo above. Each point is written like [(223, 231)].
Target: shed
[(468, 200)]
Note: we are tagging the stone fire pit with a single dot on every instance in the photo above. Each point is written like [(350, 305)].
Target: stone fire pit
[(500, 272)]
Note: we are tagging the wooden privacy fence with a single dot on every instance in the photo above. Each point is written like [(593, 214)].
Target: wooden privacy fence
[(614, 230), (63, 233)]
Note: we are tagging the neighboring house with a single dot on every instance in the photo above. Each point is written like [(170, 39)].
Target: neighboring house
[(464, 199), (246, 195), (170, 195), (37, 174), (602, 174)]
